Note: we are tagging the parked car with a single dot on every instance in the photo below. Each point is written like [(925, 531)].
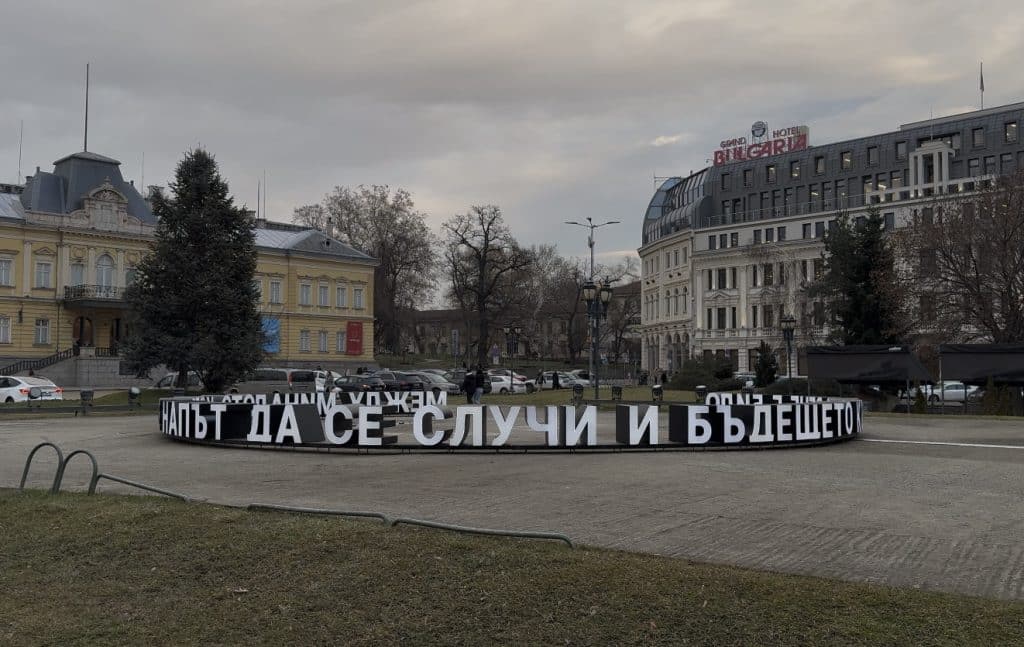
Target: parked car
[(530, 384), (504, 385), (946, 392), (21, 389), (565, 380), (458, 375), (397, 381), (358, 384), (269, 380), (168, 381), (436, 384)]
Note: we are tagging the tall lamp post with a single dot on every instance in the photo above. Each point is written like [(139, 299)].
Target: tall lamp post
[(590, 227), (512, 346), (788, 324), (597, 299)]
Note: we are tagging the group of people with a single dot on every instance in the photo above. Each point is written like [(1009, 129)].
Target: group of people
[(473, 385)]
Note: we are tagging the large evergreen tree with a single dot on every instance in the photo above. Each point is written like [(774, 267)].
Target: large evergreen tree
[(194, 305), (860, 282)]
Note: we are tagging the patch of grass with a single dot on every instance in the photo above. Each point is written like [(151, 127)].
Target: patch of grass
[(78, 570)]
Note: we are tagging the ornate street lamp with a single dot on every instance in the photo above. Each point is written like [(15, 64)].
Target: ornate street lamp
[(597, 299), (512, 333), (788, 324)]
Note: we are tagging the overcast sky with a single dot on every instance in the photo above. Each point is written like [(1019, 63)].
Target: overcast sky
[(554, 110)]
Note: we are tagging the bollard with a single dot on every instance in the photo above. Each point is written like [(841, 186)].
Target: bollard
[(133, 397), (86, 400)]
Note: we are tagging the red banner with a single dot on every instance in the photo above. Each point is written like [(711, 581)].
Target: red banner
[(354, 338)]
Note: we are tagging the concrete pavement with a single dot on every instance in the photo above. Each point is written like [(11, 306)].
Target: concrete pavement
[(935, 503)]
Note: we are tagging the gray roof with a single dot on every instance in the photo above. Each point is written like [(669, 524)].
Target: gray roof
[(10, 206), (73, 177), (309, 241)]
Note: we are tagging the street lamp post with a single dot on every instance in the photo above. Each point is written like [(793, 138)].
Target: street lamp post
[(788, 324), (590, 227), (597, 299)]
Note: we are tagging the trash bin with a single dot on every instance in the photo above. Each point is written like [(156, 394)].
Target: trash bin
[(702, 392), (616, 393), (657, 393)]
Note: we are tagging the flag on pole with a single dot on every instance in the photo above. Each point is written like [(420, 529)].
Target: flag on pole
[(981, 76)]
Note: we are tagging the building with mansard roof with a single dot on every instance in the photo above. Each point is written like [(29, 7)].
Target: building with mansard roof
[(727, 251), (70, 240)]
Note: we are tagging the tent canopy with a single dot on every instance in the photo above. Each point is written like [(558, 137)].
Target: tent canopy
[(865, 364), (976, 363)]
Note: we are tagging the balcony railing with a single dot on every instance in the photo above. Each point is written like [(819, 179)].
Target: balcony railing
[(93, 293)]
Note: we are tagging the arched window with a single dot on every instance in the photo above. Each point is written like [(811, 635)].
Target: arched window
[(105, 271), (675, 304)]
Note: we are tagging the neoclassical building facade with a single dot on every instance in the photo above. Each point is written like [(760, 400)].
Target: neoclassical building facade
[(70, 241)]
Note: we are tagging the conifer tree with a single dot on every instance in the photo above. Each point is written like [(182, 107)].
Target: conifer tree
[(194, 305)]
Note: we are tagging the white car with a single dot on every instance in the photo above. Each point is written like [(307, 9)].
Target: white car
[(946, 392), (502, 384), (21, 389), (565, 380)]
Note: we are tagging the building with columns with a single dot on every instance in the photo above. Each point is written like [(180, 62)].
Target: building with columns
[(70, 241), (741, 240)]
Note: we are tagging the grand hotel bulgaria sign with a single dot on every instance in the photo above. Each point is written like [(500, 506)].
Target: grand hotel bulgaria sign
[(763, 142)]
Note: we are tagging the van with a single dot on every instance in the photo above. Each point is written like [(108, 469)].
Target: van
[(296, 380)]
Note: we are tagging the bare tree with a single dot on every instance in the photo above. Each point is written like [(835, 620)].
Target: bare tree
[(483, 260), (385, 224), (965, 256)]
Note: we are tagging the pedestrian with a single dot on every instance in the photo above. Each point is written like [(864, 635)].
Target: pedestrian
[(554, 380), (469, 386), (664, 378), (481, 378)]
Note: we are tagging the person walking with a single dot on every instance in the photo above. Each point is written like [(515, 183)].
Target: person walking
[(469, 386), (478, 392), (554, 381)]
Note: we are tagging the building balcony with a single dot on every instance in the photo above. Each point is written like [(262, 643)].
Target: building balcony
[(94, 296)]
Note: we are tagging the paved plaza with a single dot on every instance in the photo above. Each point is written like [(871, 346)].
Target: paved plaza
[(935, 503)]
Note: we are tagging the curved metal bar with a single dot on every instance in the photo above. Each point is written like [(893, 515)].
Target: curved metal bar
[(484, 531), (92, 479), (56, 477), (339, 513), (143, 486)]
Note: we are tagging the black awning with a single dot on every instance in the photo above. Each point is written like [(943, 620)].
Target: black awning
[(976, 363), (865, 364)]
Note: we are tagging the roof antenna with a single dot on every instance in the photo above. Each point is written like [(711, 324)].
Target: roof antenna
[(21, 138), (142, 182), (264, 194), (258, 185), (85, 141)]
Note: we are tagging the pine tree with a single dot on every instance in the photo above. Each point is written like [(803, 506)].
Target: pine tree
[(194, 305), (860, 282)]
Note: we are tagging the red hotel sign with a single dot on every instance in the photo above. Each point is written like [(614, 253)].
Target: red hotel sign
[(780, 140)]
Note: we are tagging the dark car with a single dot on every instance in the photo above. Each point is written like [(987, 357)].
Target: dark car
[(358, 383), (458, 375), (396, 381)]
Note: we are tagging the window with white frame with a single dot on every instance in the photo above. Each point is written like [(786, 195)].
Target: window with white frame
[(304, 341), (257, 288), (77, 274), (275, 292), (357, 297), (130, 275), (42, 331), (5, 330), (105, 271), (305, 294), (322, 345), (323, 295), (342, 296), (339, 342), (43, 273), (6, 276)]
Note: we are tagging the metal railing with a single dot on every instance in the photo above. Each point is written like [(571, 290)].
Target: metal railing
[(97, 292), (33, 364)]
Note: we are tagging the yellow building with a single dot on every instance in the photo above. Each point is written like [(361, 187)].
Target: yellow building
[(70, 241)]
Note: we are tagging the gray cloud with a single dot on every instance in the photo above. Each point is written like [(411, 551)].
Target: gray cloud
[(553, 110)]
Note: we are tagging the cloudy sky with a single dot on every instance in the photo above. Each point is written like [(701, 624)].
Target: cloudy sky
[(555, 110)]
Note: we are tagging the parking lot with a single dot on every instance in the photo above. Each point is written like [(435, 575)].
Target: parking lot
[(932, 502)]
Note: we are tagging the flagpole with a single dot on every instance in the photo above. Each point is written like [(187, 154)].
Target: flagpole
[(981, 83)]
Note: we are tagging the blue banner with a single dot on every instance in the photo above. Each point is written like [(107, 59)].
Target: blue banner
[(271, 335)]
